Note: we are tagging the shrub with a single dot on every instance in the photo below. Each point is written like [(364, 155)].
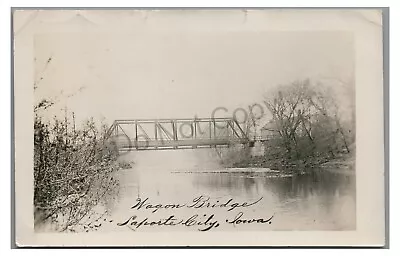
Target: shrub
[(73, 173)]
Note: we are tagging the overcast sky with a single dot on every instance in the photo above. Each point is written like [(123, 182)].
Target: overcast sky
[(174, 73)]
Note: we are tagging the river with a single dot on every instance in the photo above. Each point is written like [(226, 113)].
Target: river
[(321, 200)]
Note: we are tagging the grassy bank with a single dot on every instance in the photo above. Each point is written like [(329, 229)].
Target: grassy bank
[(242, 158), (342, 162)]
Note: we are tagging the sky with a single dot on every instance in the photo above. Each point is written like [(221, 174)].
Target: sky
[(175, 73)]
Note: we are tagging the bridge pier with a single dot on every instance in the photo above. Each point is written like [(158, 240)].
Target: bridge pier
[(258, 149)]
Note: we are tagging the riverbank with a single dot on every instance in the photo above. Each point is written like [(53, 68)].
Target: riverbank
[(345, 162)]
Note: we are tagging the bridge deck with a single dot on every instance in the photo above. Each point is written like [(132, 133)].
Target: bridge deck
[(177, 144)]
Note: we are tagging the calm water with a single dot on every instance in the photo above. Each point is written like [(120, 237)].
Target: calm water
[(317, 201)]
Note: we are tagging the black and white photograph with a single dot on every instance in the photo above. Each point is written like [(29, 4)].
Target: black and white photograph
[(199, 123)]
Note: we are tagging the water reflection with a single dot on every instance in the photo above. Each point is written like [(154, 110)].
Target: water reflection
[(320, 200), (322, 196)]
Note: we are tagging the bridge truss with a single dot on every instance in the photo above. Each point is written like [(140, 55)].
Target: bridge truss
[(158, 134)]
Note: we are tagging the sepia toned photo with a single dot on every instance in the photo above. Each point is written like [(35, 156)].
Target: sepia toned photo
[(186, 127)]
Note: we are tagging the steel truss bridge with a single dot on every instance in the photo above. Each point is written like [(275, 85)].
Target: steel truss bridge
[(159, 134)]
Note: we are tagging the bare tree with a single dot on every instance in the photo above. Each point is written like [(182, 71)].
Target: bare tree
[(306, 120)]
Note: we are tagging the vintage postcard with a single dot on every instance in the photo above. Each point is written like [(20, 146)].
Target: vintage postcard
[(213, 127)]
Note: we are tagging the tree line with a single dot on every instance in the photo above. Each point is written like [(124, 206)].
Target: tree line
[(306, 126)]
